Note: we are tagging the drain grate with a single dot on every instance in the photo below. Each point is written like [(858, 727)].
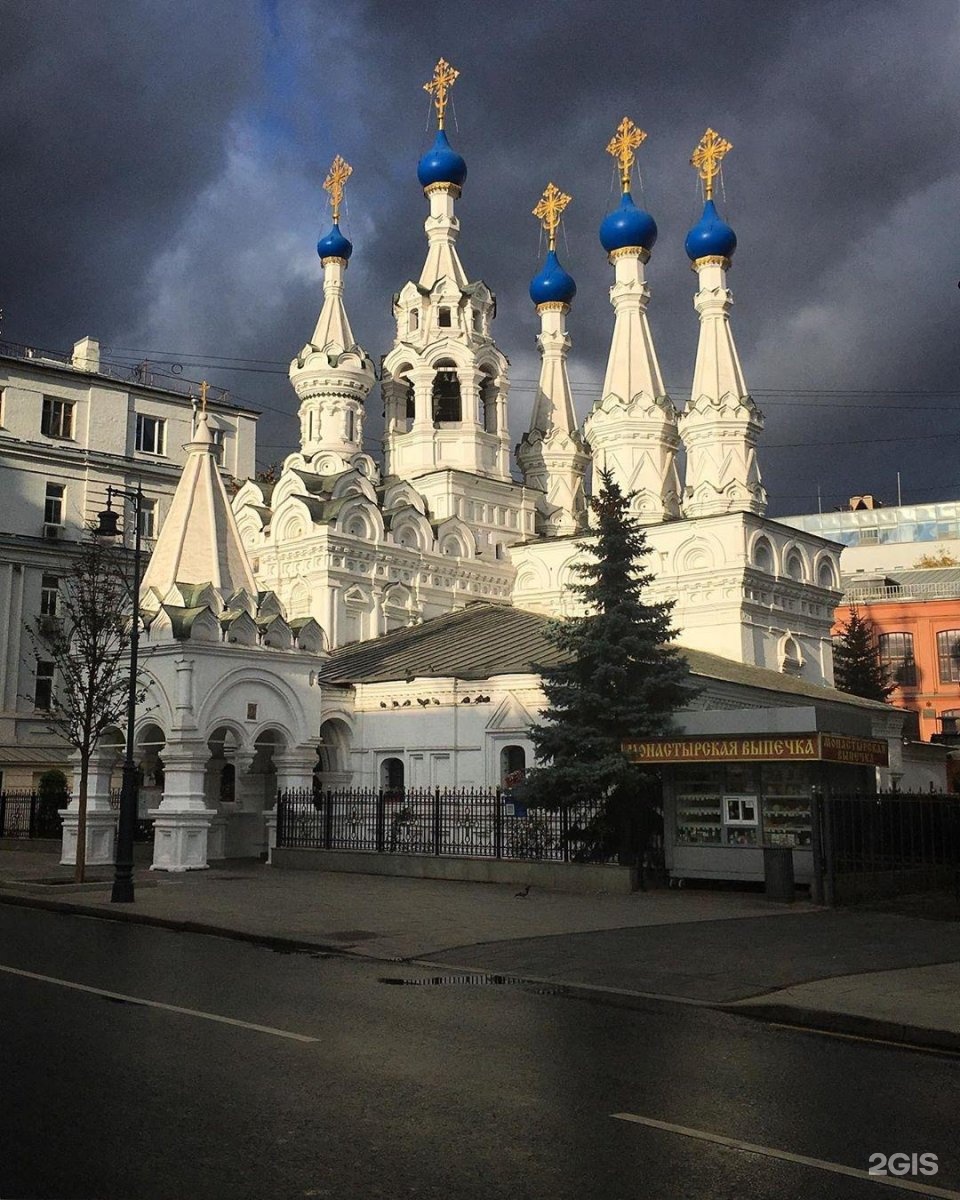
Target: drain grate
[(481, 980)]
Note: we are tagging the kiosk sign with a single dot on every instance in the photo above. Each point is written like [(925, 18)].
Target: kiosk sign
[(797, 747)]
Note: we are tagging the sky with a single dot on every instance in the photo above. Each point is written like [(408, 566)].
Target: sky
[(162, 164)]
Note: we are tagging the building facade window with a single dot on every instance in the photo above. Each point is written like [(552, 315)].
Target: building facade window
[(56, 418), (151, 434), (948, 655), (148, 518), (43, 691), (444, 319), (53, 504), (896, 656), (49, 595)]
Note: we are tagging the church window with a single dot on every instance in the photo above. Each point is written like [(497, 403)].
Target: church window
[(896, 657), (351, 425), (488, 403), (762, 557), (411, 409), (795, 566), (948, 655), (310, 427), (56, 419), (513, 764), (414, 322), (825, 575), (391, 774), (446, 394), (444, 319)]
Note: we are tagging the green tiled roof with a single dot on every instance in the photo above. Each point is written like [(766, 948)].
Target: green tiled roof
[(487, 639)]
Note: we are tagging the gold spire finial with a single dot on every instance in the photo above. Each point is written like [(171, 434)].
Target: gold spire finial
[(622, 145), (444, 77), (203, 396), (548, 211), (707, 159), (340, 171)]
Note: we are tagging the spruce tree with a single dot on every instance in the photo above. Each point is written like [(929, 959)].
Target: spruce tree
[(856, 664), (621, 678)]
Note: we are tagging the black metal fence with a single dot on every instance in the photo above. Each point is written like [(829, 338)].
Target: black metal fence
[(469, 823), (143, 828), (29, 815), (885, 844)]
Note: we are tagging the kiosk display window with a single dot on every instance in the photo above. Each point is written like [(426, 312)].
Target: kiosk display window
[(786, 805), (699, 806)]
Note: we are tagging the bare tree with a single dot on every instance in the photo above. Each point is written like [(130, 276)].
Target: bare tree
[(87, 641)]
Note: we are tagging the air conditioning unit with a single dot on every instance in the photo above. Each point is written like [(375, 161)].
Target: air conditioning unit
[(53, 531)]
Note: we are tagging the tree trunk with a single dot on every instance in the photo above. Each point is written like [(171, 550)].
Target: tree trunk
[(81, 861)]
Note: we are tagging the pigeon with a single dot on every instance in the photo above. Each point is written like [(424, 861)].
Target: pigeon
[(521, 895)]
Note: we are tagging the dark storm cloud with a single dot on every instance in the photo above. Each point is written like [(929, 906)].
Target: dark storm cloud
[(162, 164)]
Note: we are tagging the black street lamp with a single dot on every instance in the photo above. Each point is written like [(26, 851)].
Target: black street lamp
[(123, 874)]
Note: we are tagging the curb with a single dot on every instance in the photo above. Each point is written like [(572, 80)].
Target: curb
[(848, 1024), (268, 941)]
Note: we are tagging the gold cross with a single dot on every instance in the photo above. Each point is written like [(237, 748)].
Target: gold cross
[(707, 158), (627, 138), (203, 396), (548, 210), (444, 77), (340, 171)]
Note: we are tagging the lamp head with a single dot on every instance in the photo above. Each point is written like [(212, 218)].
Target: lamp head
[(107, 523)]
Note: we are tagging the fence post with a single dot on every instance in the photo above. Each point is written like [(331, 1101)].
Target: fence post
[(816, 840), (381, 816), (281, 819), (34, 802), (565, 832), (498, 825), (437, 821), (830, 852), (3, 813), (328, 820)]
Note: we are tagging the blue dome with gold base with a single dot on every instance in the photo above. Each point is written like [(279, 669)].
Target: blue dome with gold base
[(627, 226), (711, 236), (334, 245), (552, 284), (441, 164)]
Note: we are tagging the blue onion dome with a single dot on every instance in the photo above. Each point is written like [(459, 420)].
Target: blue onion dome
[(627, 226), (552, 284), (334, 245), (710, 236), (441, 164)]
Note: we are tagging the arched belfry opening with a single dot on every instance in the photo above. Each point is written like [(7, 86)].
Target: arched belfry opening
[(447, 406), (488, 402)]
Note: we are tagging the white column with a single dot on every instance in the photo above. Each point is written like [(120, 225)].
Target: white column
[(294, 771), (101, 819), (182, 821)]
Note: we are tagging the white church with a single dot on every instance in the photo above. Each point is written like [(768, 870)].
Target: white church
[(382, 624)]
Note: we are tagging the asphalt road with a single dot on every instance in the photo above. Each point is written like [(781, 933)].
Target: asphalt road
[(221, 1070)]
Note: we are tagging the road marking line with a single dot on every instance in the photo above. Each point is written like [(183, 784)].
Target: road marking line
[(923, 1189), (174, 1008)]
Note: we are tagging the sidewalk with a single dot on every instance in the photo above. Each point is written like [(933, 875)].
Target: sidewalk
[(876, 974)]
